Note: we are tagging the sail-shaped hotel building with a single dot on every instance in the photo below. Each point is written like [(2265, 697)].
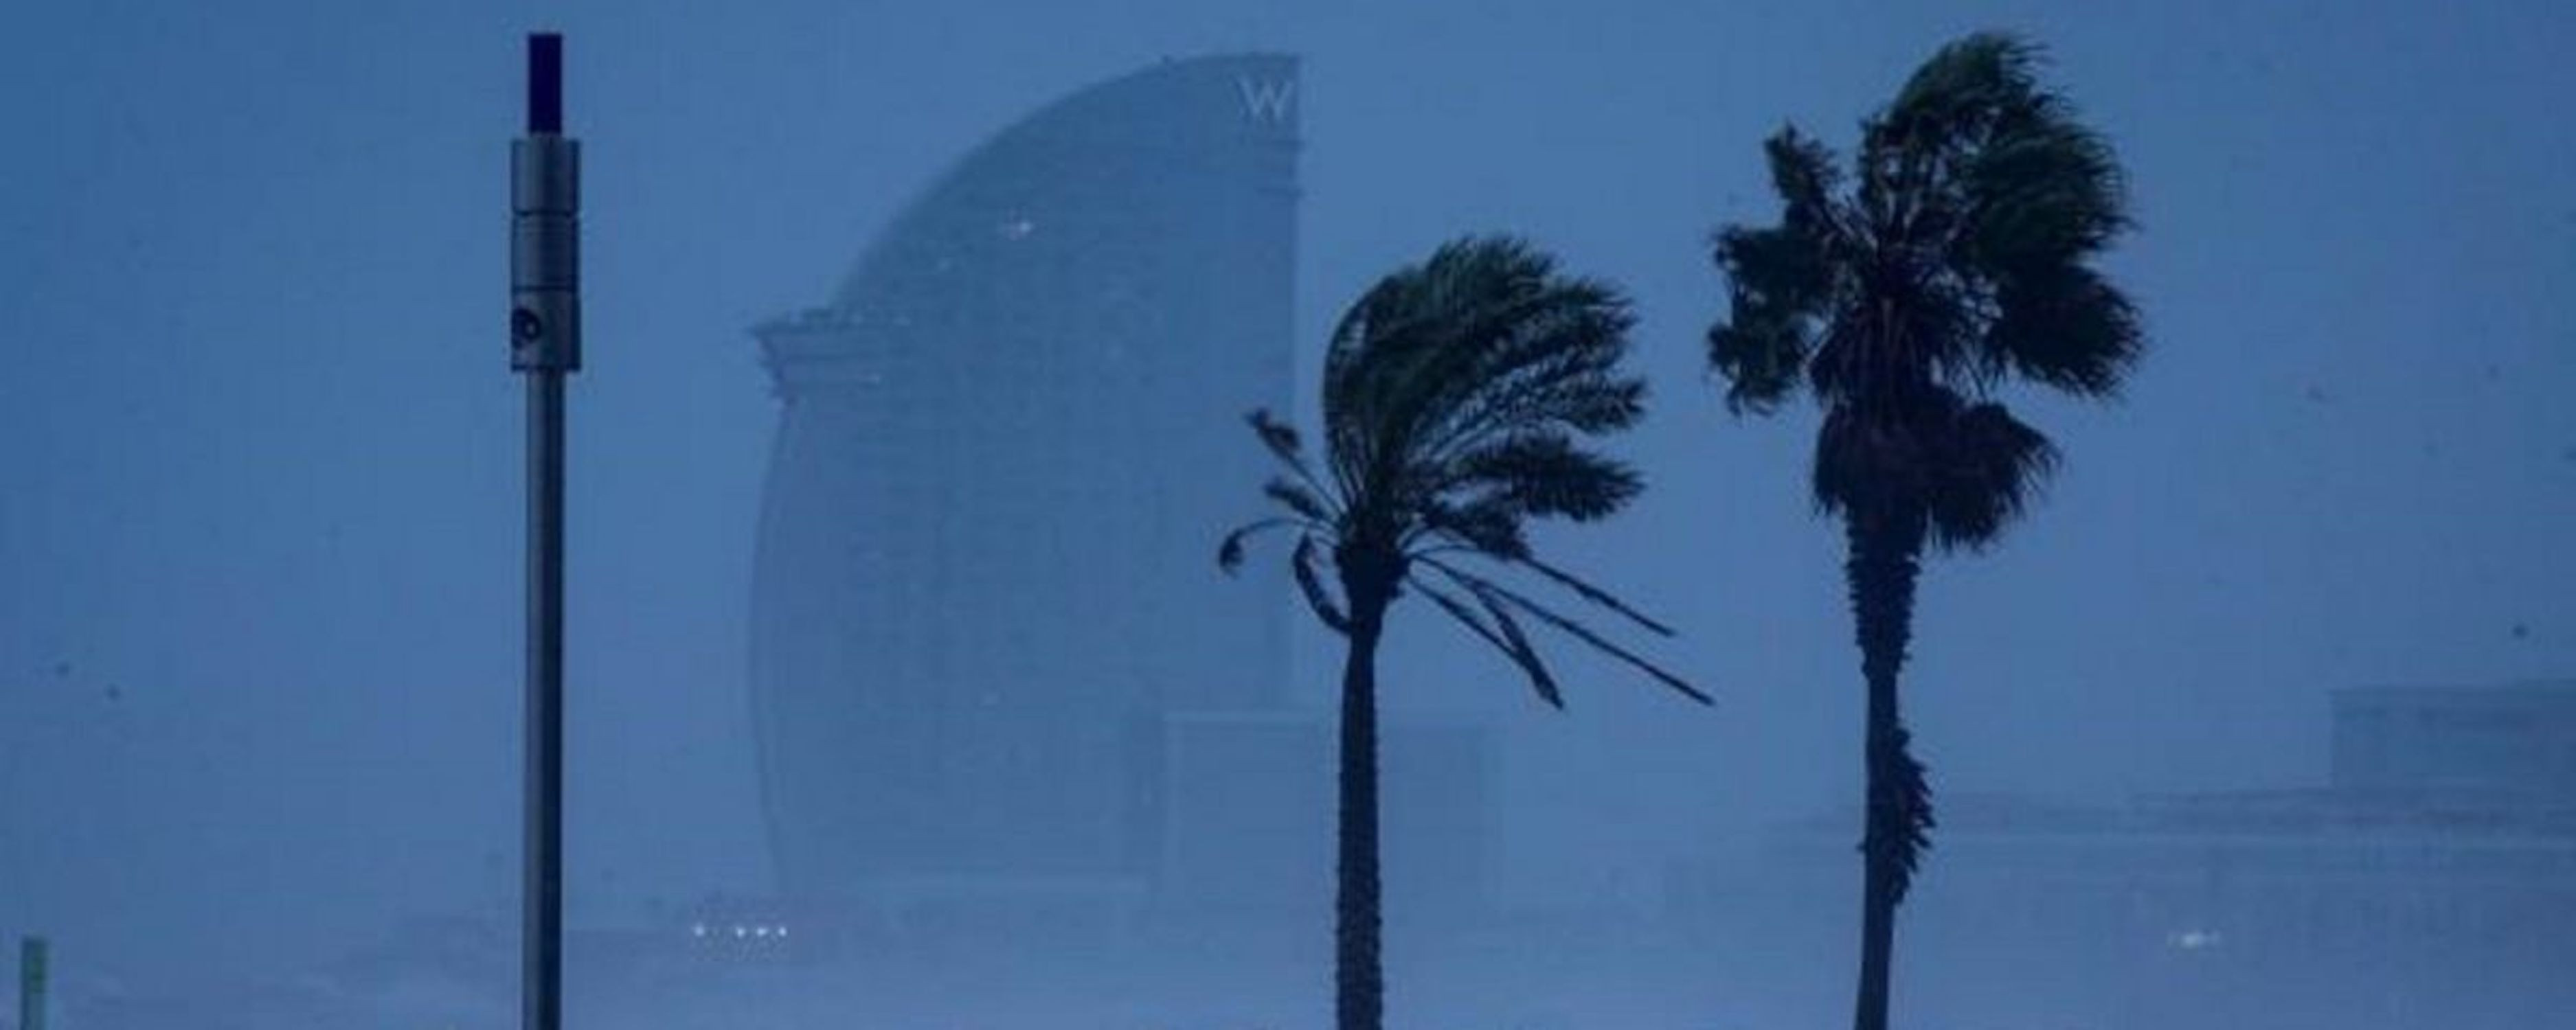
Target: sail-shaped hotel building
[(984, 590)]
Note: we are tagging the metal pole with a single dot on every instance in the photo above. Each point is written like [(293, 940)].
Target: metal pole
[(542, 1004), (545, 346), (31, 984)]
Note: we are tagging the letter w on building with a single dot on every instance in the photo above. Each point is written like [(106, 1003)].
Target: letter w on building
[(1265, 101)]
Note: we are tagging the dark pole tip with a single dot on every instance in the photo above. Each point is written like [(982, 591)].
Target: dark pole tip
[(545, 82)]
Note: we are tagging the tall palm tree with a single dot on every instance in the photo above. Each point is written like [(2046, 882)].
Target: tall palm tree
[(1456, 394), (1960, 260)]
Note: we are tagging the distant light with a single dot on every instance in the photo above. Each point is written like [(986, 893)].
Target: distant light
[(760, 931), (782, 931), (2193, 940), (698, 929), (1018, 229), (739, 931)]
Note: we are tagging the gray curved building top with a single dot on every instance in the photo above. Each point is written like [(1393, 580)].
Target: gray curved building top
[(1106, 153), (984, 578)]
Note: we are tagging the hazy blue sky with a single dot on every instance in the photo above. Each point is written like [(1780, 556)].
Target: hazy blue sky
[(259, 448)]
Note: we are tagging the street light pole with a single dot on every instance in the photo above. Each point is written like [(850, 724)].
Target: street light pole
[(545, 346), (31, 984)]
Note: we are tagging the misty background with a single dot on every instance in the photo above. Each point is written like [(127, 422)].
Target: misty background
[(259, 446)]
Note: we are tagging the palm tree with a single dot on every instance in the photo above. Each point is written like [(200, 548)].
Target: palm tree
[(1456, 394), (1960, 260)]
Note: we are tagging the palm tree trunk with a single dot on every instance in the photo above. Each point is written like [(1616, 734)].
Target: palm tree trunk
[(1359, 977), (1880, 571)]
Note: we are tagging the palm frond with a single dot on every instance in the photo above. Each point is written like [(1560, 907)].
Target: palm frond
[(1504, 635), (2043, 191), (1919, 330), (1556, 368), (1506, 596), (1544, 474), (1865, 460), (1374, 348), (1594, 594), (1284, 444), (1490, 526), (1972, 468), (1297, 498), (1987, 469), (2067, 327), (1762, 352), (1910, 794), (1962, 90), (1484, 338), (1311, 583), (1780, 280), (1229, 551), (1505, 315), (1804, 174), (1522, 651)]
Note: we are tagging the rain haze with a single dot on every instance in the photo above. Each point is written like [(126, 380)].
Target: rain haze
[(261, 517)]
